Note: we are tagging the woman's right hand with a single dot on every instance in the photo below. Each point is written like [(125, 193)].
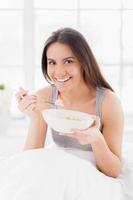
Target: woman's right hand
[(27, 104)]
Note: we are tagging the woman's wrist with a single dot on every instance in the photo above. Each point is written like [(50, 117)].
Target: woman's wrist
[(97, 136), (35, 116)]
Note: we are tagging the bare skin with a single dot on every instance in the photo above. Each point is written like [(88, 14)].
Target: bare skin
[(65, 72)]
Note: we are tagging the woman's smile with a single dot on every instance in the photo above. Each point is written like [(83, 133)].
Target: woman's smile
[(62, 80)]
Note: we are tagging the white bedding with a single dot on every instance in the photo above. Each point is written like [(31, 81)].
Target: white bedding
[(60, 174)]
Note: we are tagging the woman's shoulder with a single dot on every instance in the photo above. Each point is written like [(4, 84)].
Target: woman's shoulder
[(110, 98), (111, 106)]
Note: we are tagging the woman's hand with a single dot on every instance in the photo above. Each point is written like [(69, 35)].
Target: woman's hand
[(28, 104), (89, 135)]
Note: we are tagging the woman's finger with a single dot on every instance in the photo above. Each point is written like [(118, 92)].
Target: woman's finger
[(30, 108), (97, 122), (27, 107), (21, 94), (23, 91), (25, 103), (18, 97)]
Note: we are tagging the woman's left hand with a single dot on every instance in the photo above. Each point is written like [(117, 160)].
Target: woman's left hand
[(89, 135)]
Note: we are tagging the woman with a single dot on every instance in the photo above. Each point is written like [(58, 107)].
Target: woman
[(75, 79)]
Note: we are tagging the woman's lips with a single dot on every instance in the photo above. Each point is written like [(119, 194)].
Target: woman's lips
[(62, 80)]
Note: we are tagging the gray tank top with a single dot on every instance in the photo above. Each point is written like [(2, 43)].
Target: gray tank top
[(67, 142)]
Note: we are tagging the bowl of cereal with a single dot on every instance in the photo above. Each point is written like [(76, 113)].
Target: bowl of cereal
[(63, 120)]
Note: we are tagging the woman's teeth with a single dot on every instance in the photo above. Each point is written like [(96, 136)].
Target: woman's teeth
[(63, 80)]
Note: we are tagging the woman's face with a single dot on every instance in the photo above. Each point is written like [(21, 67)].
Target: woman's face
[(63, 68)]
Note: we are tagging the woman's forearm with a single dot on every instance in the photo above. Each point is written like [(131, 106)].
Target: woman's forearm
[(106, 161), (36, 133)]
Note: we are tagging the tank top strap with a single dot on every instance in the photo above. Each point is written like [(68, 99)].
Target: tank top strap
[(54, 95), (100, 93)]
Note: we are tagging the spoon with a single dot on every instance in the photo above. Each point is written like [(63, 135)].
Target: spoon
[(56, 103)]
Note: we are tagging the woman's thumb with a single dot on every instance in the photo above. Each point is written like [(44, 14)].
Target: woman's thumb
[(97, 122), (23, 91)]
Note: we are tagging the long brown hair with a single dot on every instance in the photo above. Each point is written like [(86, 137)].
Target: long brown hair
[(80, 48)]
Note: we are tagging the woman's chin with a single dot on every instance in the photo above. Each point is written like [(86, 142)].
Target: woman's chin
[(63, 88)]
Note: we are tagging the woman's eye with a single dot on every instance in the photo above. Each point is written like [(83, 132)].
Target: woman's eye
[(68, 61), (51, 63)]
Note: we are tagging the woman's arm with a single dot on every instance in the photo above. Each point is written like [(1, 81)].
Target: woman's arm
[(36, 133), (107, 149), (32, 106), (106, 145)]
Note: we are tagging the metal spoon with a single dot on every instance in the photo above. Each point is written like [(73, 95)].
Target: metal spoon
[(50, 102)]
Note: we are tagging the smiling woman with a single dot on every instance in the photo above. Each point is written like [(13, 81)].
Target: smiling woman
[(75, 79), (68, 62)]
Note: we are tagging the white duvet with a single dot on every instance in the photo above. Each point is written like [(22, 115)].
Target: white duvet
[(58, 174)]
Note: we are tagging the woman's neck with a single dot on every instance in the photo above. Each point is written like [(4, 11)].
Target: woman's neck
[(80, 95)]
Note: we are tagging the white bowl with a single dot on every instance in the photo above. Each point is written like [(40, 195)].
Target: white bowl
[(64, 121)]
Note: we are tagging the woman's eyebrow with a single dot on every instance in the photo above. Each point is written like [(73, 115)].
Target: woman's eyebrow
[(70, 57), (50, 59)]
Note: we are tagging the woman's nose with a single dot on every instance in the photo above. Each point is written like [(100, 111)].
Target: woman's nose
[(60, 70)]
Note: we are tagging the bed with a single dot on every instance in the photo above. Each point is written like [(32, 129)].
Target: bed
[(56, 173)]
